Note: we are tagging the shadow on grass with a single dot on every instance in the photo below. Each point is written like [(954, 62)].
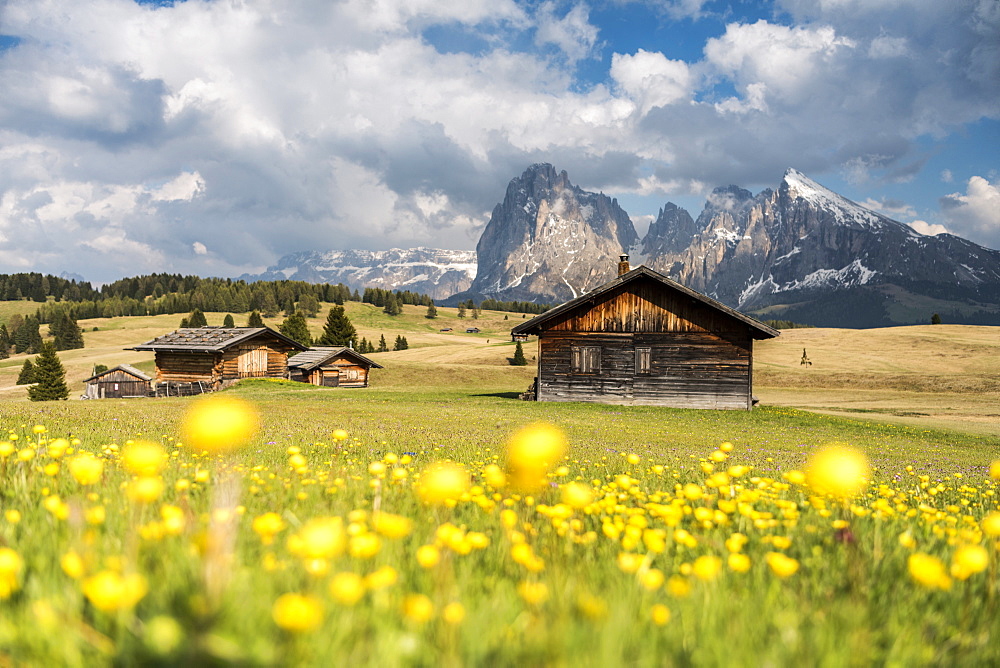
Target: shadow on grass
[(501, 395)]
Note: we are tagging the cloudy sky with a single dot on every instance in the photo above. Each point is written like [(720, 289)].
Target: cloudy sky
[(214, 136)]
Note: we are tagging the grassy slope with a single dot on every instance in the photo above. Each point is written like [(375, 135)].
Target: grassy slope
[(942, 376)]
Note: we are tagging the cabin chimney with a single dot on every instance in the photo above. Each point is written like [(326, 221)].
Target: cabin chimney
[(623, 267)]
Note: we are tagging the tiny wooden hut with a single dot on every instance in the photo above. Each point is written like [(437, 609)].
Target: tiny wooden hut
[(213, 357), (122, 382), (645, 339), (331, 367)]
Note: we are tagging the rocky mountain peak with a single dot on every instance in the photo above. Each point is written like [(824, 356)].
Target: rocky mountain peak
[(550, 239)]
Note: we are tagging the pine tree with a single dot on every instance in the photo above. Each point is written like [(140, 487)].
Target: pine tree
[(383, 347), (255, 320), (68, 335), (28, 339), (197, 319), (228, 321), (432, 311), (519, 358), (50, 377), (338, 330), (401, 343), (936, 319), (296, 328), (392, 306), (461, 310), (5, 343), (27, 375)]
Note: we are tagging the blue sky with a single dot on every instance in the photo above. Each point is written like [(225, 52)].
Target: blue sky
[(214, 136)]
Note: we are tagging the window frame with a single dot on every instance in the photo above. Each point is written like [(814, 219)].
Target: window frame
[(585, 360)]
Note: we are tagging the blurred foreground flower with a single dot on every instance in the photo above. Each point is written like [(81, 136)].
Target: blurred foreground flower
[(531, 452), (109, 591), (928, 571), (297, 613), (86, 469), (144, 458), (218, 423), (442, 482), (11, 565), (838, 470)]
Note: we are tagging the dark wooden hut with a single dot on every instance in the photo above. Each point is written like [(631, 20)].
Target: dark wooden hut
[(331, 367), (121, 382), (645, 339), (213, 357)]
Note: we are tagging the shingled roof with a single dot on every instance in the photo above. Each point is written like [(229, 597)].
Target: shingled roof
[(758, 329), (318, 356), (210, 339)]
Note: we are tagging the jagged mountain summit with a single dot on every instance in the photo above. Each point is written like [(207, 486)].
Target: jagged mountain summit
[(803, 252), (549, 240), (431, 271)]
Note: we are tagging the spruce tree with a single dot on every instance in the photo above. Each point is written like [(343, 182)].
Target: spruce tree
[(432, 311), (5, 343), (296, 328), (383, 347), (255, 320), (27, 375), (68, 335), (197, 319), (936, 319), (401, 343), (338, 330), (392, 306), (519, 358), (461, 310), (50, 377), (228, 321)]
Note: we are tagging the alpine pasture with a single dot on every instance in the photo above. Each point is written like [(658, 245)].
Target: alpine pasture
[(433, 519)]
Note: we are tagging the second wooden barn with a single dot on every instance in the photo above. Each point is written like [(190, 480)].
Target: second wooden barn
[(213, 357), (121, 382), (331, 367), (645, 339)]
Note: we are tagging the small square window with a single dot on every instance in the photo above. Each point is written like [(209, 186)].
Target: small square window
[(586, 359)]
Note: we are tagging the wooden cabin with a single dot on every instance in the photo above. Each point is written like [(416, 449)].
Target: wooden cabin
[(331, 367), (214, 357), (122, 382), (645, 339)]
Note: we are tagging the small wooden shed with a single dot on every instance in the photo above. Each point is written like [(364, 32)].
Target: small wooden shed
[(331, 367), (645, 339), (215, 357), (121, 382)]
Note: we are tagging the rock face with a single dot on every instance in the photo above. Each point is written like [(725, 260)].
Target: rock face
[(430, 271), (550, 241), (805, 253)]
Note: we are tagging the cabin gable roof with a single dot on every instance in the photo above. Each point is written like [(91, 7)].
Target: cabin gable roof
[(211, 339), (611, 290), (318, 356), (130, 370)]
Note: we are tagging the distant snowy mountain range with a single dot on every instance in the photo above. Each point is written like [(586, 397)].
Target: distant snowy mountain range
[(800, 252), (430, 271)]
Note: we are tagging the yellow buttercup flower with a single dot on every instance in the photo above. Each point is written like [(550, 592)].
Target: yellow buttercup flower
[(838, 470), (72, 565), (969, 560), (991, 524), (267, 526), (928, 571), (297, 613), (144, 458), (706, 567), (533, 593), (660, 614), (418, 608), (11, 566), (392, 526), (109, 591), (320, 538), (383, 577), (86, 469), (532, 451), (428, 556), (347, 588), (145, 490), (739, 562), (781, 564), (453, 613), (442, 482), (995, 470), (219, 422), (577, 495)]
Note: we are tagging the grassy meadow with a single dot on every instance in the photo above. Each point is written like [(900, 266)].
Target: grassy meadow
[(657, 537)]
